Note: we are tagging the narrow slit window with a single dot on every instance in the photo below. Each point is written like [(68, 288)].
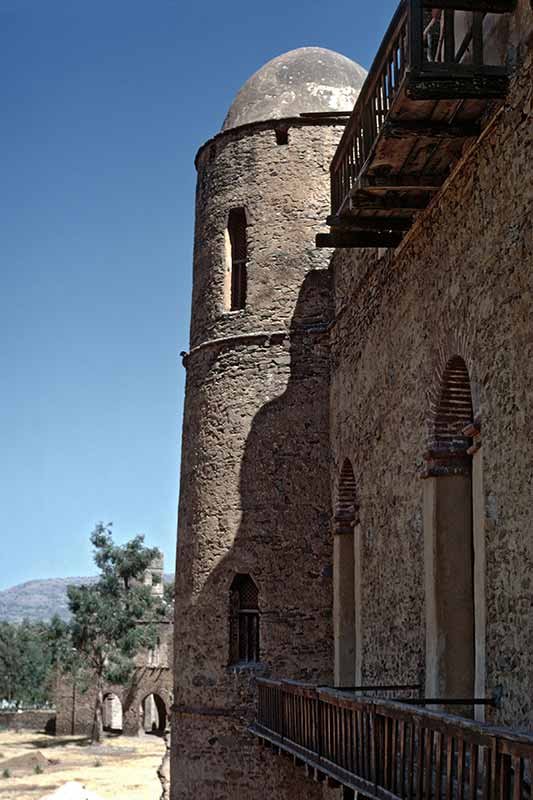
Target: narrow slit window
[(282, 136), (238, 256), (244, 620)]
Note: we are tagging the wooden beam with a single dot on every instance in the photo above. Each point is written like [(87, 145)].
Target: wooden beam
[(489, 6), (402, 183), (399, 129), (370, 223), (365, 200), (435, 85), (358, 239)]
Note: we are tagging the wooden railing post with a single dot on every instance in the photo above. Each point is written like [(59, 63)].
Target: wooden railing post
[(416, 22), (318, 727), (449, 35), (385, 748)]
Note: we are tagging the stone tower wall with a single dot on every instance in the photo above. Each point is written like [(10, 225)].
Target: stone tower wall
[(255, 467)]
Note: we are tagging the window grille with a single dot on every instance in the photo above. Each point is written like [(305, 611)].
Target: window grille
[(244, 620)]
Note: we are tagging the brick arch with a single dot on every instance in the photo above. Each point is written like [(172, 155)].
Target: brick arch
[(347, 507), (451, 410), (113, 712), (160, 722)]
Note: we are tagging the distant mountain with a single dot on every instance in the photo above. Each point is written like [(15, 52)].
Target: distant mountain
[(39, 600)]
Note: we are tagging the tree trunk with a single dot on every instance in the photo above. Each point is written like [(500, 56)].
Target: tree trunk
[(98, 724)]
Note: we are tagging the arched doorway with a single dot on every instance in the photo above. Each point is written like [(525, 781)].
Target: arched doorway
[(453, 530), (112, 713), (153, 714)]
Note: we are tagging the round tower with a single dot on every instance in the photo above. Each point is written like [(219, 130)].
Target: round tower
[(253, 576)]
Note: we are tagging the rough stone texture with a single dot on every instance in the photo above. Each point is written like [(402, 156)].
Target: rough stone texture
[(285, 190), (34, 719), (277, 399), (75, 708), (163, 771), (254, 484), (309, 79), (462, 283)]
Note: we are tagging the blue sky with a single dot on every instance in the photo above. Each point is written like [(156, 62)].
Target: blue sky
[(103, 105)]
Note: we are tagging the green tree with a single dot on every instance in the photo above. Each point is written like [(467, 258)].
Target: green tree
[(25, 663), (114, 618)]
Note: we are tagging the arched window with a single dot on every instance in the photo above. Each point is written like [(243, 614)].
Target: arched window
[(454, 541), (237, 255), (244, 620), (346, 580)]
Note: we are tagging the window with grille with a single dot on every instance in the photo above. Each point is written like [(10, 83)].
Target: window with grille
[(244, 620), (239, 255)]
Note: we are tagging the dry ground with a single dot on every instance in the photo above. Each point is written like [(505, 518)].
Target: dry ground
[(121, 768)]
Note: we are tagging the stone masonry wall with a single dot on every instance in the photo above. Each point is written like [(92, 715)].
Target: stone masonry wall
[(461, 283), (34, 720), (254, 484)]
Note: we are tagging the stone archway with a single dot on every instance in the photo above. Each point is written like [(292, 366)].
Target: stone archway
[(153, 714), (112, 713)]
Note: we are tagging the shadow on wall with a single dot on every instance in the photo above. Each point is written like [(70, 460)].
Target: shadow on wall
[(283, 538)]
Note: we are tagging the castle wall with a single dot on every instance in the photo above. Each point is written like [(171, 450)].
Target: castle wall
[(75, 704), (254, 485), (460, 283)]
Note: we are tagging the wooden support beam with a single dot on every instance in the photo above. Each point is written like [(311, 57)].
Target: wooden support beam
[(358, 239), (401, 183), (399, 129), (319, 776), (370, 223), (488, 6), (437, 85), (364, 200)]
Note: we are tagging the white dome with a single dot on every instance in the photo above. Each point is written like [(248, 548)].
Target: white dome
[(310, 79)]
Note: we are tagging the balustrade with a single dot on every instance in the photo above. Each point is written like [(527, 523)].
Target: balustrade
[(443, 53), (389, 750)]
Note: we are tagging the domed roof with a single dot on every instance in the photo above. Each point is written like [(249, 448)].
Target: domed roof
[(309, 79)]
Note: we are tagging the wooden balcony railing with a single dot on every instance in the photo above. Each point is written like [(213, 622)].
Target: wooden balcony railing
[(371, 108), (391, 751), (433, 77)]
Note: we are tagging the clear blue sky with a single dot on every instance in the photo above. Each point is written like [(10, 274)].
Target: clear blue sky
[(103, 105)]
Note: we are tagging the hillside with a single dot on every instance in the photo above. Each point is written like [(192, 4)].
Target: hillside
[(39, 600)]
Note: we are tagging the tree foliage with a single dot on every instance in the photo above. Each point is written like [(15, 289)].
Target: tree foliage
[(114, 618), (29, 653)]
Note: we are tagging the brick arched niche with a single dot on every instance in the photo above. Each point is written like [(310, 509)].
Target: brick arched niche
[(454, 549), (347, 581)]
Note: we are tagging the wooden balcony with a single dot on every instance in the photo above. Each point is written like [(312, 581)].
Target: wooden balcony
[(435, 81), (389, 750)]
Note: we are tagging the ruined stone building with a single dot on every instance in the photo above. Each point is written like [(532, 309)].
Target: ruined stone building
[(142, 705), (356, 489)]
